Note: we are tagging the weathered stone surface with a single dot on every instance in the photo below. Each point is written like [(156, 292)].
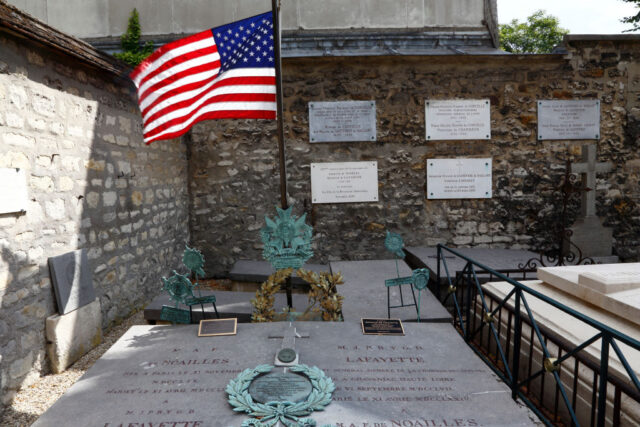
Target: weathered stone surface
[(229, 304), (621, 299), (429, 375), (70, 336), (496, 259), (53, 114), (365, 294), (233, 163)]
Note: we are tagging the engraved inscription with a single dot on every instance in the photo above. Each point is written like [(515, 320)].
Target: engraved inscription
[(457, 119), (572, 119), (284, 387), (342, 121), (345, 182), (459, 178)]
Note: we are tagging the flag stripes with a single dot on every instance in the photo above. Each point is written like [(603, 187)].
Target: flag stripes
[(226, 72)]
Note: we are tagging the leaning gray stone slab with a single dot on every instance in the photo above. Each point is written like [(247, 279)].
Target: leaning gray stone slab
[(259, 271), (71, 279), (365, 294), (166, 374), (228, 303), (70, 336)]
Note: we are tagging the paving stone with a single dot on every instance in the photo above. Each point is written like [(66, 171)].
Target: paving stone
[(167, 374), (365, 294)]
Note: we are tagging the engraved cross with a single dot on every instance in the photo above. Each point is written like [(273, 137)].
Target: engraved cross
[(588, 168), (287, 355)]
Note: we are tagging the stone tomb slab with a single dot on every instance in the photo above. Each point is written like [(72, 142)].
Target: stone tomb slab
[(259, 271), (71, 279), (612, 287), (166, 374), (229, 304), (497, 259), (365, 294)]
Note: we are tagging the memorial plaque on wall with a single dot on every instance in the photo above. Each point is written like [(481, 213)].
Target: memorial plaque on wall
[(346, 182), (458, 119), (569, 119), (459, 178), (342, 121), (13, 190)]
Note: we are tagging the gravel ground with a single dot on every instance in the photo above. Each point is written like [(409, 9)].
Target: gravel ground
[(34, 400)]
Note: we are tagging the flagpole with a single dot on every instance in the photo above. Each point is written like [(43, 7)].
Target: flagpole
[(275, 7)]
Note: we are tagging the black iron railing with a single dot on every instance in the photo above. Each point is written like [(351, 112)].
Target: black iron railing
[(557, 379)]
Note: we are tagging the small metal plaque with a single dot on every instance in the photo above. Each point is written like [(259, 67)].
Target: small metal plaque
[(382, 327), (175, 315), (572, 119), (216, 327), (13, 190), (458, 119), (399, 281), (342, 121), (346, 182), (459, 178), (287, 355), (282, 387)]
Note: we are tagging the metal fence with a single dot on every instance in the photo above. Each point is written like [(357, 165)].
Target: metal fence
[(558, 379)]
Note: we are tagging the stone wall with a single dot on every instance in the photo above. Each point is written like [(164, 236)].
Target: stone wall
[(234, 171), (91, 184)]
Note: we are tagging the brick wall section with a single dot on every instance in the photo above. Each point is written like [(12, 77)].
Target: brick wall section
[(234, 171), (76, 130)]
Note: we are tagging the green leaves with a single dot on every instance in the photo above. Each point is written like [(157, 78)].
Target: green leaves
[(635, 19), (540, 34), (287, 413), (132, 52)]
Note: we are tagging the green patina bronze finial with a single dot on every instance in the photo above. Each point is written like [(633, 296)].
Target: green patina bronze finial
[(180, 289), (420, 280), (193, 260), (287, 240), (394, 243)]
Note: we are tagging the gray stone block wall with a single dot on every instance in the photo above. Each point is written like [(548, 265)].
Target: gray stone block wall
[(234, 169), (91, 184), (108, 18)]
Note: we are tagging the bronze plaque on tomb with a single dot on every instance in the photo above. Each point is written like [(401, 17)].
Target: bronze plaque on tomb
[(280, 387), (382, 327), (216, 327)]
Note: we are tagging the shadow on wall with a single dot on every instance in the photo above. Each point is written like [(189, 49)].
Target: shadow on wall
[(91, 184)]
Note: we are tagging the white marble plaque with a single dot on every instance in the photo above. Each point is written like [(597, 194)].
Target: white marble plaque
[(459, 178), (458, 119), (346, 182), (13, 190), (342, 121), (569, 119)]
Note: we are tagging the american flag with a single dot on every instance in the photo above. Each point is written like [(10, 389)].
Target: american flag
[(226, 72)]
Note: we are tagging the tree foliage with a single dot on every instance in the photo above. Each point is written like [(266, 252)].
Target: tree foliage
[(633, 20), (133, 52), (539, 34)]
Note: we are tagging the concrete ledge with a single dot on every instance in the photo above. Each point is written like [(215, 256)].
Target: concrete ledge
[(70, 336)]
